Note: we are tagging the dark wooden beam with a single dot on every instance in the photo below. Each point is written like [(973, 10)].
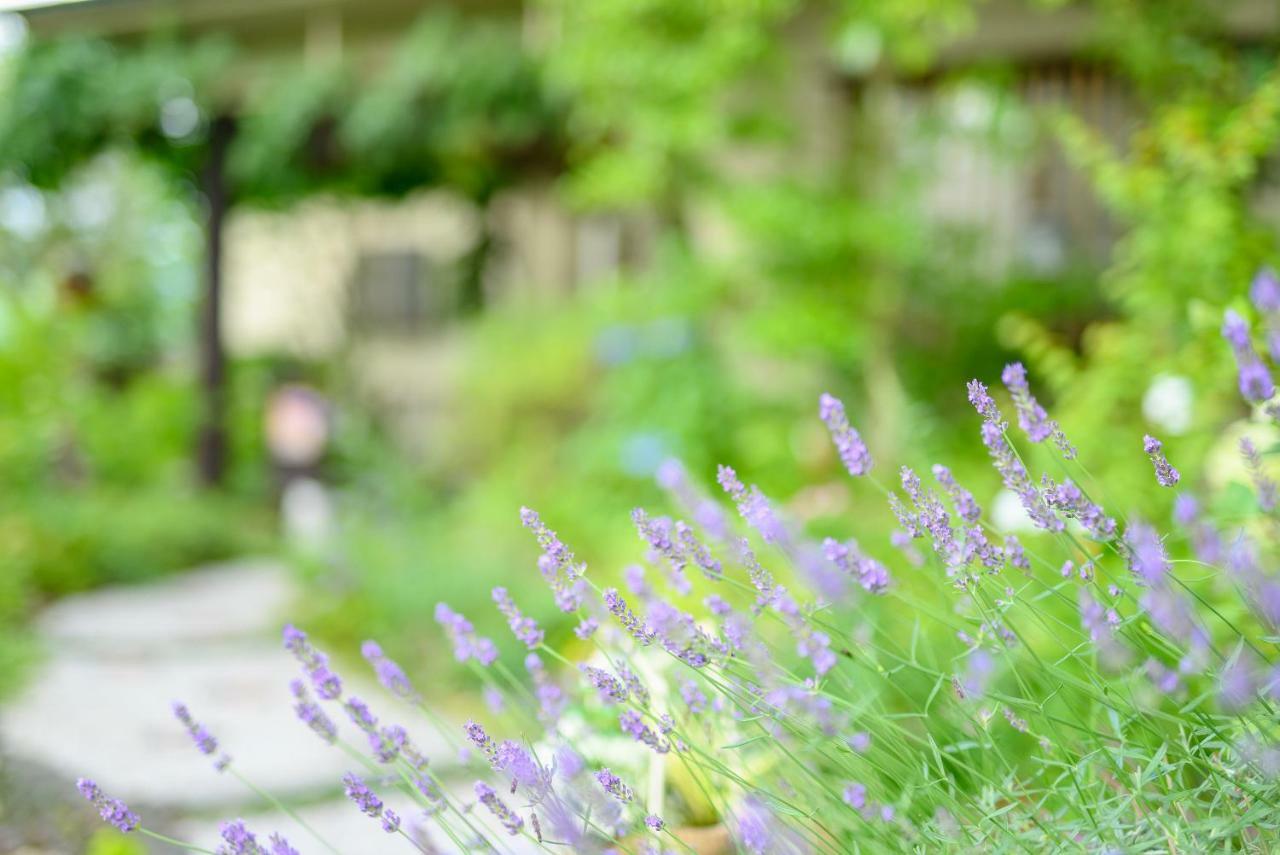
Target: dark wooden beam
[(211, 443)]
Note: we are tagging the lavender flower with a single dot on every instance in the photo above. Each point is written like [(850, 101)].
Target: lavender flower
[(1236, 331), (280, 846), (1256, 384), (1068, 500), (654, 823), (672, 477), (693, 697), (1254, 378), (752, 506), (498, 808), (311, 714), (697, 552), (113, 811), (855, 796), (586, 628), (867, 572), (852, 450), (610, 688), (390, 821), (237, 839), (929, 516), (359, 713), (859, 741), (1264, 291), (1165, 679), (1264, 486), (387, 743), (755, 824), (476, 733), (365, 799), (613, 785), (466, 644), (203, 739), (551, 700), (524, 628), (1015, 554), (1032, 418), (659, 533), (961, 499), (1238, 684), (389, 674), (1166, 475), (557, 564), (523, 769), (1012, 472), (326, 683), (761, 579), (633, 725), (619, 608), (1146, 553)]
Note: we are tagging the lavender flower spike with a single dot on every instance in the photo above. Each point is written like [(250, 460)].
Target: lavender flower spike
[(1032, 418), (1255, 381), (613, 785), (1264, 486), (466, 644), (853, 451), (1264, 291), (390, 674), (113, 811), (237, 839), (525, 628), (557, 564), (365, 799), (498, 808), (311, 714), (1166, 475), (203, 739), (326, 683)]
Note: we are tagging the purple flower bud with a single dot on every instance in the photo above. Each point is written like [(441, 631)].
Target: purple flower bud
[(364, 798), (654, 823), (524, 628), (113, 811), (203, 739), (389, 674), (613, 785), (1264, 291), (466, 644), (498, 808), (280, 846), (557, 563), (752, 506), (311, 714), (1166, 475), (849, 445), (1264, 486), (237, 839)]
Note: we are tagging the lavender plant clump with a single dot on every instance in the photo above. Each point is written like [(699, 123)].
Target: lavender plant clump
[(1100, 683)]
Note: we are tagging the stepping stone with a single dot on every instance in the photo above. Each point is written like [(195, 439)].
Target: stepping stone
[(216, 603), (101, 705)]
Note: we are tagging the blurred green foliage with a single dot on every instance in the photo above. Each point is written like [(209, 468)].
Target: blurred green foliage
[(787, 172), (836, 278), (96, 405)]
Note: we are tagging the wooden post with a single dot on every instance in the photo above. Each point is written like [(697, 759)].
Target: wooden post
[(211, 448)]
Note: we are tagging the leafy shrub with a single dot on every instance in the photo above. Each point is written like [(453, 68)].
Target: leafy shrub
[(1103, 686)]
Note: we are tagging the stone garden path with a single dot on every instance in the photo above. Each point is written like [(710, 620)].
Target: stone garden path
[(116, 660)]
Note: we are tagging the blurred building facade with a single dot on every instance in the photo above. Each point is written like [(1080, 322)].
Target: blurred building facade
[(371, 281)]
